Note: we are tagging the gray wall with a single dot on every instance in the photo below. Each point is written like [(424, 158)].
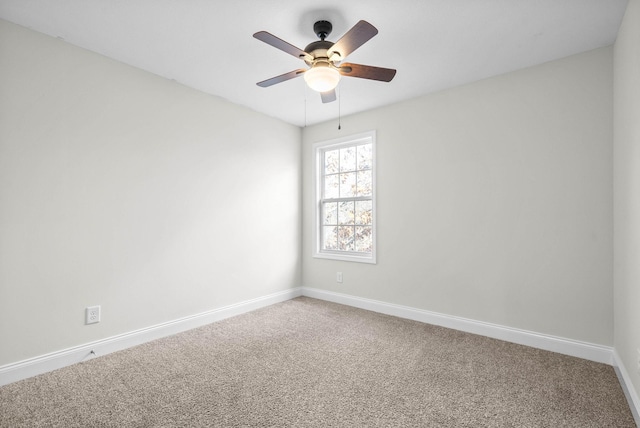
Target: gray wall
[(122, 189), (627, 192), (494, 201)]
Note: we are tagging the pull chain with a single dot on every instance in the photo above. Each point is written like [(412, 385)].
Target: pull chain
[(305, 106), (339, 109)]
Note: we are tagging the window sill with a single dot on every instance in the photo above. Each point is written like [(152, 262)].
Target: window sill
[(346, 257)]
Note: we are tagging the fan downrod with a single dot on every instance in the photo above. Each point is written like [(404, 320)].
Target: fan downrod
[(322, 29)]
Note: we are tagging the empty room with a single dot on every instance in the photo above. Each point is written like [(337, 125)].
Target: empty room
[(423, 213)]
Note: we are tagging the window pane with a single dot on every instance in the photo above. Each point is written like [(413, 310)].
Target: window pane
[(331, 186), (345, 238), (330, 238), (365, 156), (364, 213), (348, 185), (365, 184), (330, 213), (348, 159), (364, 239), (331, 161), (346, 213)]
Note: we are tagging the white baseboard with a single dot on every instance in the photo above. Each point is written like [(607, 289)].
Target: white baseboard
[(588, 351), (627, 387), (34, 366)]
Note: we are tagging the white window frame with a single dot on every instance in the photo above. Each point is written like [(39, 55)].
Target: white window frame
[(318, 150)]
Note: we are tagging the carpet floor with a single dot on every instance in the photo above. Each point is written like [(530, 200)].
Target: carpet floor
[(310, 363)]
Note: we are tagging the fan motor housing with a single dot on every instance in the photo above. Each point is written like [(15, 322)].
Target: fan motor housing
[(318, 49)]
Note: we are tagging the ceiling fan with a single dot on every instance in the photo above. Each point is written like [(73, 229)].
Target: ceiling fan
[(324, 59)]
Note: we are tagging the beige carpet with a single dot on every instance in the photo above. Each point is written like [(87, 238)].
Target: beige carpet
[(309, 363)]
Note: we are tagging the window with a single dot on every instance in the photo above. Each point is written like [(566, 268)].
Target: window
[(345, 199)]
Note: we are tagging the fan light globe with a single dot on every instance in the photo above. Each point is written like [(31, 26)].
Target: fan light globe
[(322, 77)]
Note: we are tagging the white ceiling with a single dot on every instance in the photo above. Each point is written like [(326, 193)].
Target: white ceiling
[(434, 44)]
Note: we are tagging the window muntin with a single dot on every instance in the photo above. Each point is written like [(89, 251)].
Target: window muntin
[(345, 210)]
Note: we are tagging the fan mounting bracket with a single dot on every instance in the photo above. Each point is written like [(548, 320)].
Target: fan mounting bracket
[(322, 29)]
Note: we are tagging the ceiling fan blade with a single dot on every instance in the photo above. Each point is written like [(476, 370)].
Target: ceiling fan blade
[(367, 72), (329, 96), (276, 42), (281, 78), (358, 35)]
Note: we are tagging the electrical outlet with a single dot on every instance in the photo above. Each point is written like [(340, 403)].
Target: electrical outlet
[(92, 315), (339, 277)]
